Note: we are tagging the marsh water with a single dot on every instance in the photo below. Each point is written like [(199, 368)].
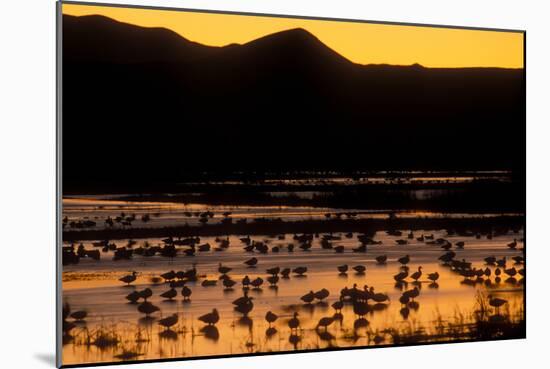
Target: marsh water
[(443, 311)]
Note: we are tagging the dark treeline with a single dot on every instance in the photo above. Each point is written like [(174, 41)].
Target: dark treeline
[(148, 107)]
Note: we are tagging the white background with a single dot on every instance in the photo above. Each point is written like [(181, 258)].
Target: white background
[(27, 180)]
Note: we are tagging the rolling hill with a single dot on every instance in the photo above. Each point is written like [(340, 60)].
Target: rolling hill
[(147, 105)]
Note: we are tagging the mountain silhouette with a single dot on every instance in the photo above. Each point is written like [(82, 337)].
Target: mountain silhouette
[(147, 105)]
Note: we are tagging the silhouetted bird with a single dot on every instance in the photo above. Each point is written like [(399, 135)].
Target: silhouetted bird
[(170, 294), (273, 271), (294, 323), (169, 321), (381, 259), (308, 297), (133, 296), (210, 318), (433, 276), (401, 276), (360, 269), (147, 308), (270, 317), (285, 272), (186, 293), (129, 278), (321, 294), (496, 302), (251, 262), (145, 293), (404, 260), (228, 283), (223, 269), (416, 275), (168, 276), (325, 322)]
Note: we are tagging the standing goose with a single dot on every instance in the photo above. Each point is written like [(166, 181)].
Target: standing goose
[(223, 269), (377, 296), (245, 282), (338, 305), (170, 294), (412, 294), (294, 323), (169, 321), (416, 275), (381, 259), (518, 259), (209, 283), (325, 322), (147, 308), (129, 278), (228, 283), (502, 262), (133, 297), (168, 276), (285, 273), (245, 308), (273, 280), (257, 283), (270, 318), (343, 268), (359, 269), (321, 294), (511, 272), (210, 318), (242, 300), (496, 302), (399, 277), (404, 260), (145, 294), (433, 276), (360, 309), (273, 271), (308, 297), (186, 293)]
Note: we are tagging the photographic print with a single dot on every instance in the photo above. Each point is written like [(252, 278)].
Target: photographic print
[(240, 184)]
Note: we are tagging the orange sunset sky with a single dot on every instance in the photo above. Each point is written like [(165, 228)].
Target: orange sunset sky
[(363, 43)]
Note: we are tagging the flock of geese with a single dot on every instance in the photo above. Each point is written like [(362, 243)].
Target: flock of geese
[(363, 300)]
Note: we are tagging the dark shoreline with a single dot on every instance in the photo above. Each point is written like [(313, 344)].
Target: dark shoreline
[(473, 197), (479, 224)]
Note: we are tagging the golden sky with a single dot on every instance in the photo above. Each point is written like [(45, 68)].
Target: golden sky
[(363, 43)]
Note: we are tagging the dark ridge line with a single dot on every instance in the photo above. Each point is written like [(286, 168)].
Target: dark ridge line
[(413, 66)]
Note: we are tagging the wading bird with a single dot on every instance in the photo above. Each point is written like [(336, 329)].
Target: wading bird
[(210, 318), (129, 278), (169, 321)]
